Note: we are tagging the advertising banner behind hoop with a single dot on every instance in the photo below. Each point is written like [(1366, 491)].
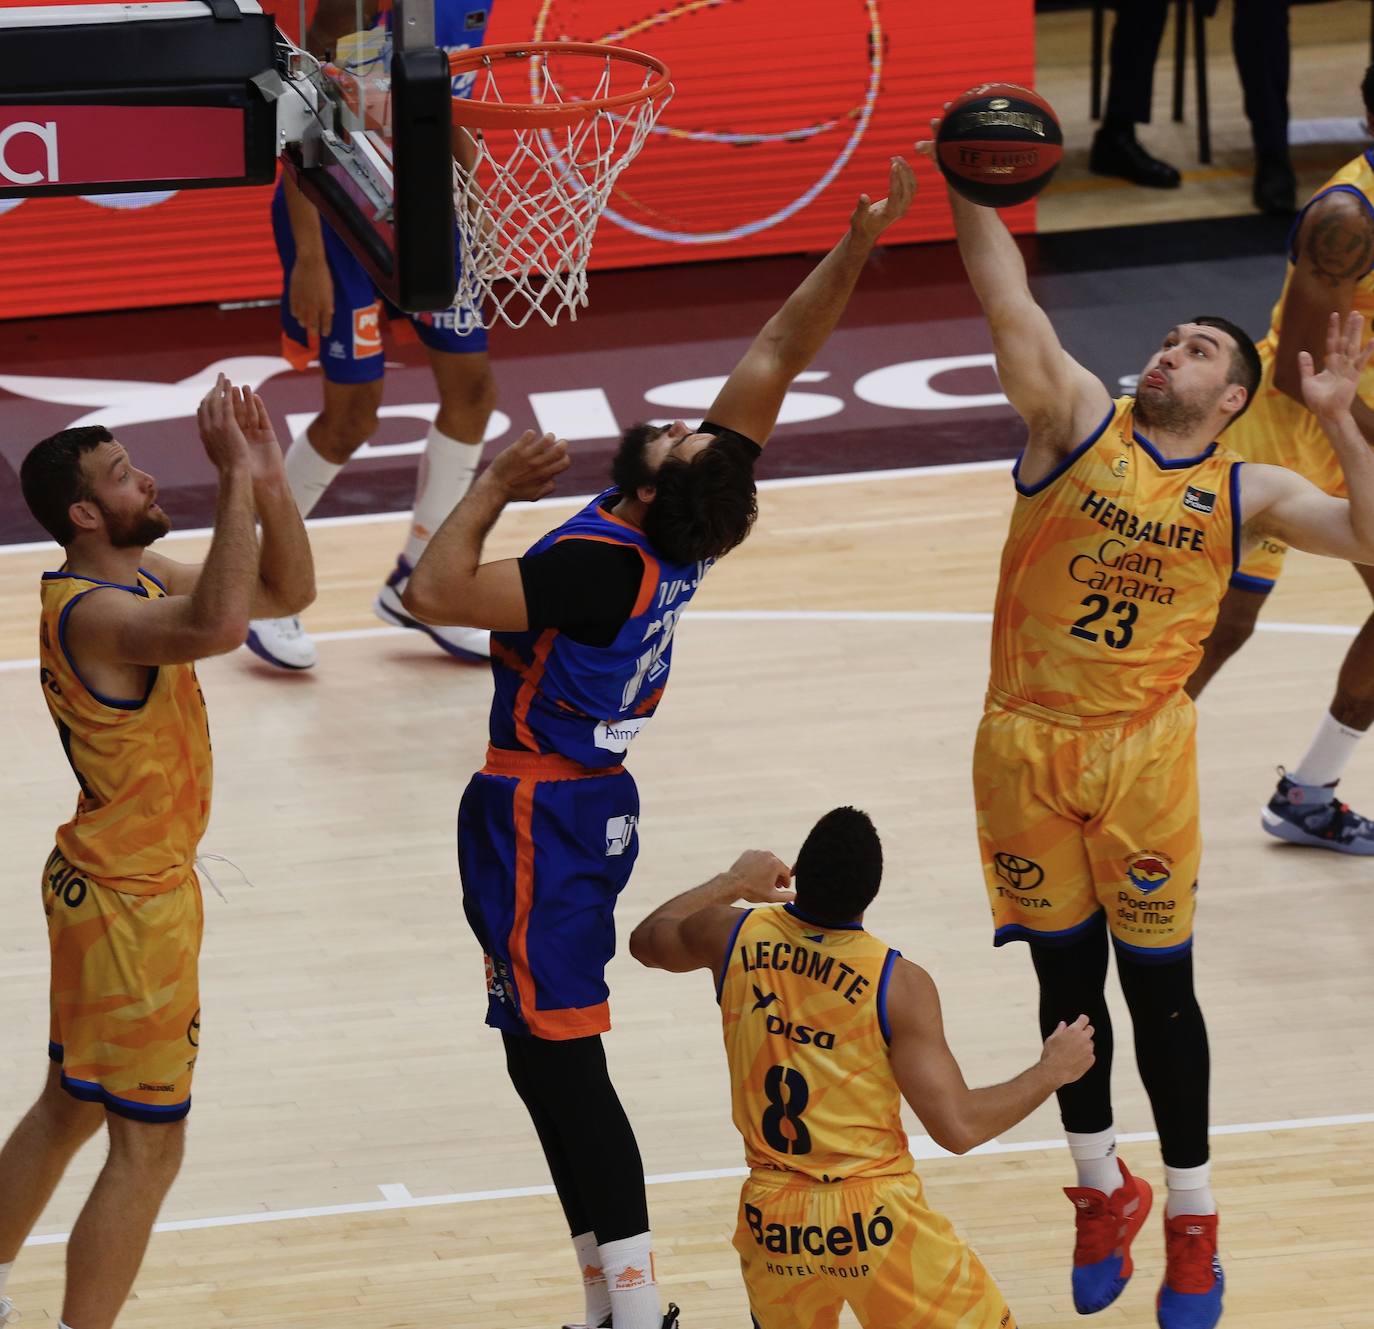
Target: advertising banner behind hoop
[(776, 128)]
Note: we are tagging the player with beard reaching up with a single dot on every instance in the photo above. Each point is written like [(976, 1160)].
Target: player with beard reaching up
[(582, 632)]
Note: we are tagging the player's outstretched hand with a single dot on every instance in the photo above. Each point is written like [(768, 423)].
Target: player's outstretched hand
[(1068, 1052), (220, 432), (871, 219), (264, 451), (926, 146), (1331, 393), (762, 878), (526, 470)]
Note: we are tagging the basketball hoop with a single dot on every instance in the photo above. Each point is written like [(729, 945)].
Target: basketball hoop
[(550, 126)]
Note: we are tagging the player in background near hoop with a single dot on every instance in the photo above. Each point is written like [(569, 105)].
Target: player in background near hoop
[(827, 1029), (583, 628), (1331, 266), (119, 632), (330, 300), (1128, 524)]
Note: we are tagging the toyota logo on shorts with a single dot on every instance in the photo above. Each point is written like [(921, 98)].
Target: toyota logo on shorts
[(1021, 874)]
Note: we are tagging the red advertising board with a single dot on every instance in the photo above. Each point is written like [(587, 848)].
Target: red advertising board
[(785, 111)]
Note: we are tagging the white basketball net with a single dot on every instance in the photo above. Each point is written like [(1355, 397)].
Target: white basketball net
[(528, 209)]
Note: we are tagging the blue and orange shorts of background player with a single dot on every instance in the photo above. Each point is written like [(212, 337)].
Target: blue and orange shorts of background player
[(125, 992), (1078, 818), (545, 847), (807, 1249)]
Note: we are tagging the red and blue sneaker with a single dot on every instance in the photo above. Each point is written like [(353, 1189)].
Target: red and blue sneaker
[(1105, 1227), (1190, 1296)]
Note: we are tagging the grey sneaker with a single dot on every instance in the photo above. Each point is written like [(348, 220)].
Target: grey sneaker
[(1311, 814), (281, 642), (472, 644), (8, 1315)]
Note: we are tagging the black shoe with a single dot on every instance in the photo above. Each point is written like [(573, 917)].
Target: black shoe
[(1276, 187), (1117, 152), (670, 1320)]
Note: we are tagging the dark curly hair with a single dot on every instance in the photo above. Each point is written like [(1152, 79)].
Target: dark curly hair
[(52, 478), (702, 507), (838, 868)]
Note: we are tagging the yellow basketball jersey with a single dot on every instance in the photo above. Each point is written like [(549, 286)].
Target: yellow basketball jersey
[(803, 1007), (143, 765), (1355, 177), (1112, 573)]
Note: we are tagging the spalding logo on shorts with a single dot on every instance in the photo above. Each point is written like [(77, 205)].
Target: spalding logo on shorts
[(619, 832)]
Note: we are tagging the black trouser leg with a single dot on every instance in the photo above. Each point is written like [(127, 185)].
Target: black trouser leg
[(1171, 1051), (1073, 982), (587, 1139), (1259, 39), (1136, 35)]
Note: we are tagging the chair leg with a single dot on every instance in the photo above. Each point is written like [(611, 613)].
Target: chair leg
[(1180, 56), (1204, 128), (1096, 76)]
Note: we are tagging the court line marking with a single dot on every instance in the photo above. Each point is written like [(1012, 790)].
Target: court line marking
[(796, 616), (581, 500), (922, 1148)]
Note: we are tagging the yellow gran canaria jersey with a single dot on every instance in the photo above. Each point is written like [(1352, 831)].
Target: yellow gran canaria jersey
[(805, 1019), (1112, 573), (143, 764), (1355, 177)]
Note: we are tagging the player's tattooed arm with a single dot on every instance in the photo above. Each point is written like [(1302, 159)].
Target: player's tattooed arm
[(1334, 250), (691, 930)]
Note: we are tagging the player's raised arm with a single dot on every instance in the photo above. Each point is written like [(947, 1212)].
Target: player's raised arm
[(957, 1117), (450, 583), (213, 618), (691, 930), (1059, 399), (752, 396), (1283, 504), (1332, 252)]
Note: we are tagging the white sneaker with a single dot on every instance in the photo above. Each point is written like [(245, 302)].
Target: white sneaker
[(281, 642), (8, 1315), (462, 643)]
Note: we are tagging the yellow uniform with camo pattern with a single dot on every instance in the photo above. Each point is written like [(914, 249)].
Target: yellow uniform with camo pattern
[(120, 889), (833, 1211), (1085, 770)]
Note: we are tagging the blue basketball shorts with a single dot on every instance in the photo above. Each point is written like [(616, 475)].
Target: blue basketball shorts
[(545, 846), (352, 352)]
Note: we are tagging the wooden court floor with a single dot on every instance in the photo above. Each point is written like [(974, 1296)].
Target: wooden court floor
[(356, 1154)]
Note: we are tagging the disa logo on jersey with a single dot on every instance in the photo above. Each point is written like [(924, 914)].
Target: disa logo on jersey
[(1148, 871)]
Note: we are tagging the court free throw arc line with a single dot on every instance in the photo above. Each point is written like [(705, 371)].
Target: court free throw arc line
[(397, 1196)]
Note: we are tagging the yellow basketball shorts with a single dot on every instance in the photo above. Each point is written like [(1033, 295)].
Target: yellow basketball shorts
[(1078, 818), (807, 1249), (125, 993), (1279, 431)]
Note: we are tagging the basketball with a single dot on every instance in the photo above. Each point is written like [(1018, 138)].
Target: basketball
[(999, 144)]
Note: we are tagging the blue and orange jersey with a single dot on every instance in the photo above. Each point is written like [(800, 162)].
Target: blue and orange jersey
[(1112, 573), (143, 764), (1355, 177), (804, 1011), (587, 703)]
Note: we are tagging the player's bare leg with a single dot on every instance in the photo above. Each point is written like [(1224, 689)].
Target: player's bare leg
[(33, 1161), (453, 448), (315, 457), (112, 1230), (1304, 809), (1240, 610)]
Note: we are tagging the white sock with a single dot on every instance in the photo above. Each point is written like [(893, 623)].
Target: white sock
[(593, 1278), (1190, 1190), (1095, 1158), (5, 1276), (1332, 747), (308, 474), (446, 471), (629, 1269)]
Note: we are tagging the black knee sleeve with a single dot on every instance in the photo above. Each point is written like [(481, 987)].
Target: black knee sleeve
[(1073, 981)]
